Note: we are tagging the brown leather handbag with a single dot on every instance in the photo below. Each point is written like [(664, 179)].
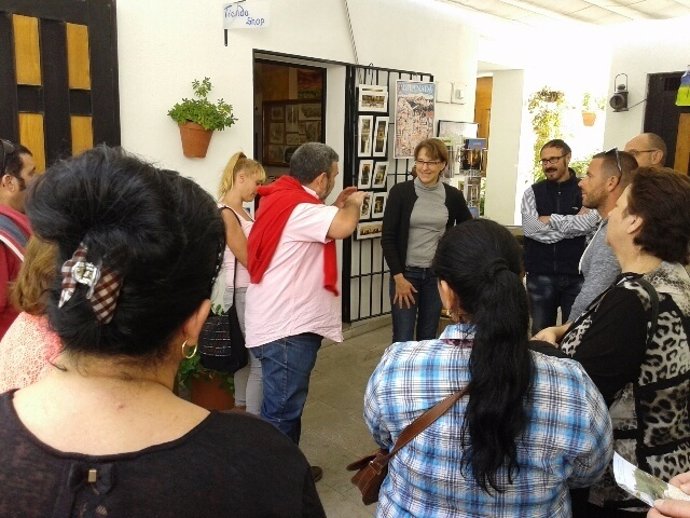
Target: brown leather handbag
[(372, 469)]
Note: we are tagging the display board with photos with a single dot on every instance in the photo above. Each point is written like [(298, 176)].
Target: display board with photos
[(372, 157), (287, 125)]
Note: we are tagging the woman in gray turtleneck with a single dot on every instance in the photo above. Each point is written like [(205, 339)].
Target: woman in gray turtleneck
[(417, 214)]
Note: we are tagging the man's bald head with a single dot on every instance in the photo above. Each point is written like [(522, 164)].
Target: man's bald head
[(648, 149)]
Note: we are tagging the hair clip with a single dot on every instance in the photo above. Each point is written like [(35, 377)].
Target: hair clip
[(104, 284)]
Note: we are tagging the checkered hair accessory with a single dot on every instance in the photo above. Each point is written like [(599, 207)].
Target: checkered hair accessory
[(104, 284)]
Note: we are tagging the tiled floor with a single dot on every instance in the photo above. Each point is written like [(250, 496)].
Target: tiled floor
[(333, 431)]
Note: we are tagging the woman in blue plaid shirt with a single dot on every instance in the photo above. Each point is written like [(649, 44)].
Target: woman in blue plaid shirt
[(532, 425)]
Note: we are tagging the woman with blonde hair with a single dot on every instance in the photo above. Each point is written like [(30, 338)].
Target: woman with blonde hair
[(29, 346), (238, 185)]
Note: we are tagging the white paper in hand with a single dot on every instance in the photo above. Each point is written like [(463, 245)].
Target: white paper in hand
[(641, 484)]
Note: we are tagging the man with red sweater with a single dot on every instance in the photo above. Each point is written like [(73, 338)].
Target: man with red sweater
[(293, 301), (17, 168)]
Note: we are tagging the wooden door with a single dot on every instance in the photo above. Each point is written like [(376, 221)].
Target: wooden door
[(482, 105), (58, 76), (682, 158)]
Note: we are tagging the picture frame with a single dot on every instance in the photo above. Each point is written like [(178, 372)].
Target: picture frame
[(365, 173), (380, 176), (365, 130), (372, 98), (365, 210), (414, 115), (456, 131), (300, 122), (369, 230), (378, 204), (380, 137)]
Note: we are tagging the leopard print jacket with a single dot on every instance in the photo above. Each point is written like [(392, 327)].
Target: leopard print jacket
[(650, 416)]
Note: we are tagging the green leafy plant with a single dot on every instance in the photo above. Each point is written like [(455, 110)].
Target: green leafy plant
[(200, 110), (191, 368), (546, 107), (591, 103)]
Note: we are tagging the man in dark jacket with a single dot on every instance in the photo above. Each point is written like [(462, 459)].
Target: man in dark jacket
[(552, 256)]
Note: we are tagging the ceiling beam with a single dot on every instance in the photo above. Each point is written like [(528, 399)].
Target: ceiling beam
[(619, 9), (528, 6)]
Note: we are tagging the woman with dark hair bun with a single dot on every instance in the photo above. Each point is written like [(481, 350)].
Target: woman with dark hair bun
[(103, 433), (531, 425)]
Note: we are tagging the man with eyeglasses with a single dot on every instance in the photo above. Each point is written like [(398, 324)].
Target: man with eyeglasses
[(551, 255), (649, 149), (18, 168)]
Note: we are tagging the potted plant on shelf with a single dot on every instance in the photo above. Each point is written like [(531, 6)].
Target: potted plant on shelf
[(207, 388), (199, 117)]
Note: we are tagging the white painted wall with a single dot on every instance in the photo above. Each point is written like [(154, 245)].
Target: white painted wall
[(164, 44), (640, 49)]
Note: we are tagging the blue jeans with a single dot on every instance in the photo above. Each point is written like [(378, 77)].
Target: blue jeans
[(425, 312), (549, 292), (287, 364)]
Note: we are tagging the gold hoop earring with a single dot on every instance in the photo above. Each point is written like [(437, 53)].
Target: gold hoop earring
[(191, 353)]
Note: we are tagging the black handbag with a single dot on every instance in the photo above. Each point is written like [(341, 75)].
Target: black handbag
[(221, 342)]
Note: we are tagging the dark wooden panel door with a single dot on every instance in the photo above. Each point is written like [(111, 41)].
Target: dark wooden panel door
[(58, 76)]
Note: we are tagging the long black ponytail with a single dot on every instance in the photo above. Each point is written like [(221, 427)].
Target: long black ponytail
[(482, 263)]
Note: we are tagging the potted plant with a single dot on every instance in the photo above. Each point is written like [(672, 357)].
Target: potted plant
[(199, 117), (546, 107), (207, 388), (589, 116)]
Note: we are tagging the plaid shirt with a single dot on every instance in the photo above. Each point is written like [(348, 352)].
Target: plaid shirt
[(567, 441)]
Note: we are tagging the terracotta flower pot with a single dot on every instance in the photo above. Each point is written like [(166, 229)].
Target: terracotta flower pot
[(210, 394), (195, 140), (589, 118)]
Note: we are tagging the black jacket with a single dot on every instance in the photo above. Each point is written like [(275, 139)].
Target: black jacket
[(562, 257), (396, 220)]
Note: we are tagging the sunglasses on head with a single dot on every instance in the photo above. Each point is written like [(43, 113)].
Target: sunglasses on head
[(7, 149), (615, 152)]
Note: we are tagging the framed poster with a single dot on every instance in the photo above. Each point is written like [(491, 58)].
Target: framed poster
[(366, 168), (414, 115), (369, 230), (286, 126), (380, 136), (365, 132), (378, 206), (380, 173), (372, 98), (365, 209)]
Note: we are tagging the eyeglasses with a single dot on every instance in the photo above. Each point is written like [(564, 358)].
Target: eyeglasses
[(551, 160), (422, 163), (635, 152), (7, 149), (618, 158)]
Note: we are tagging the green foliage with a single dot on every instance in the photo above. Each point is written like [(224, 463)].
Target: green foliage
[(202, 111), (191, 368), (590, 104), (546, 107), (580, 166)]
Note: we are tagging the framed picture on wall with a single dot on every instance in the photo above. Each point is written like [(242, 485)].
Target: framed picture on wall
[(365, 211), (372, 98), (380, 172), (299, 122), (366, 169), (378, 205), (365, 133), (414, 115), (369, 230), (380, 136)]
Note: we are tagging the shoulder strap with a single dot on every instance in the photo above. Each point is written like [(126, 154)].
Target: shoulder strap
[(234, 272), (425, 420)]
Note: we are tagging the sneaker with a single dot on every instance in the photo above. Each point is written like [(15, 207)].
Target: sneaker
[(316, 473)]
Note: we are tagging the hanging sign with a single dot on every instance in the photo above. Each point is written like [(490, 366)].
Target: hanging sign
[(247, 14)]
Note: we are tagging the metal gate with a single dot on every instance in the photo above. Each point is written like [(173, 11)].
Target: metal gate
[(365, 273)]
